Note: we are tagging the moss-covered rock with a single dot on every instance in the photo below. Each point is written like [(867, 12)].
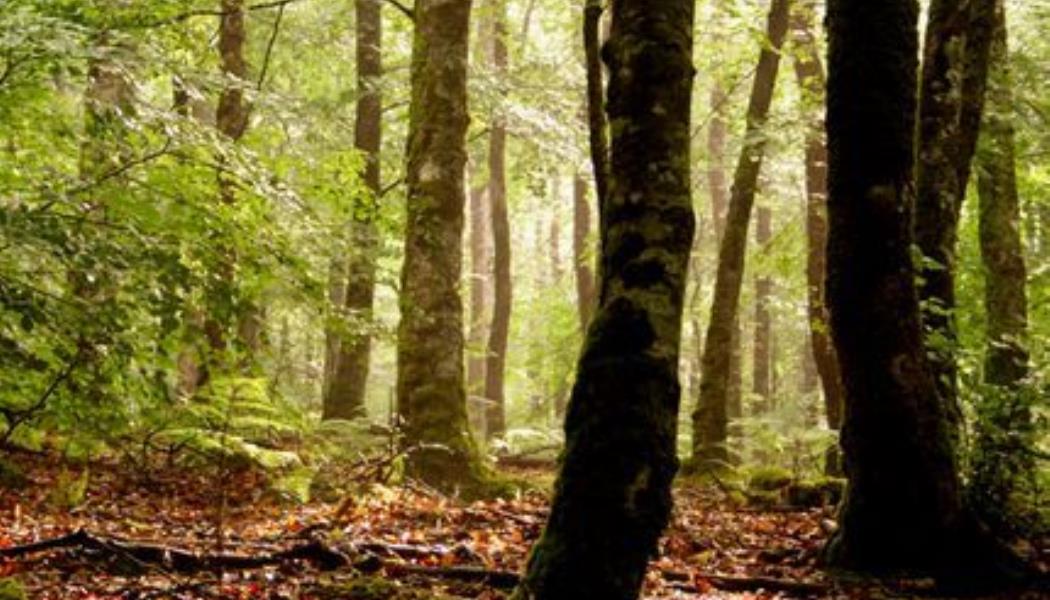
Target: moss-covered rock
[(814, 493), (11, 589), (769, 479)]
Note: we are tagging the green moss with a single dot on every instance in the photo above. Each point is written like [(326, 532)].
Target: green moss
[(767, 479), (11, 589), (369, 588)]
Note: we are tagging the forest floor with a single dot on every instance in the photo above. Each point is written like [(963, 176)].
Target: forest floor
[(133, 538)]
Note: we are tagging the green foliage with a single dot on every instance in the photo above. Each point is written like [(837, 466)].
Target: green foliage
[(69, 490)]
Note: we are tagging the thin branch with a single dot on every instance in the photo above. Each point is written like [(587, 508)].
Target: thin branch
[(269, 48), (179, 18), (408, 12), (17, 417)]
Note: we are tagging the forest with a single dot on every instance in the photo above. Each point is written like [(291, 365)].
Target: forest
[(524, 299)]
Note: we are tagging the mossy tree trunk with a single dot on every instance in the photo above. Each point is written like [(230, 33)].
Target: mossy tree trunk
[(496, 357), (811, 79), (431, 399), (710, 419), (903, 509), (613, 494), (1004, 422), (346, 395), (954, 76)]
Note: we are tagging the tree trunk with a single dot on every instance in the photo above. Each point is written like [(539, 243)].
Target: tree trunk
[(810, 75), (555, 229), (347, 394), (599, 139), (1005, 416), (231, 119), (336, 298), (582, 251), (762, 363), (613, 495), (431, 399), (496, 357), (710, 418), (479, 265), (903, 508), (954, 76)]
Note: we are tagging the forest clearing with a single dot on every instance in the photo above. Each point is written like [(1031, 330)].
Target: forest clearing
[(524, 299)]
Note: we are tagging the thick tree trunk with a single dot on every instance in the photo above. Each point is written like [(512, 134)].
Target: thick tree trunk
[(903, 509), (1004, 420), (582, 251), (496, 357), (431, 399), (954, 76), (762, 357), (710, 418), (613, 495), (346, 398), (599, 139), (810, 75)]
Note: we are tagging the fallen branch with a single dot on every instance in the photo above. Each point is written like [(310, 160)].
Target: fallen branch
[(180, 560)]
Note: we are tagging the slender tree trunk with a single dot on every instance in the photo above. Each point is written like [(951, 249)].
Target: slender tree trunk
[(613, 495), (1004, 417), (496, 357), (716, 178), (350, 378), (336, 297), (555, 229), (599, 139), (762, 363), (710, 418), (903, 509), (582, 251), (431, 399), (231, 119), (479, 264), (954, 76), (810, 75)]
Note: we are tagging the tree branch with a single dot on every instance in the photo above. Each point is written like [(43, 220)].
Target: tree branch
[(408, 12)]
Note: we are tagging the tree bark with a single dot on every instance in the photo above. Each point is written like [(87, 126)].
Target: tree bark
[(431, 399), (954, 76), (496, 357), (613, 495), (346, 398), (1002, 252), (710, 417), (903, 508), (1004, 416), (582, 251), (599, 138), (231, 119), (811, 79)]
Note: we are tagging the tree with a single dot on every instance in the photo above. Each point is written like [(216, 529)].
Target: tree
[(811, 80), (1004, 420), (582, 253), (496, 358), (346, 395), (613, 493), (903, 509), (762, 361), (954, 76), (710, 421), (431, 399)]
